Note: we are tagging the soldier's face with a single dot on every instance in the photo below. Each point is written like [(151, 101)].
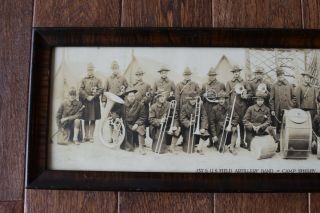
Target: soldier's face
[(259, 75), (222, 101), (90, 72), (236, 74), (161, 99), (212, 77), (193, 101), (72, 97), (187, 77), (281, 77), (131, 97), (139, 77), (164, 74), (307, 79), (260, 101), (115, 70)]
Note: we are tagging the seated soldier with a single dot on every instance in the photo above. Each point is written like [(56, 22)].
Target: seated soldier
[(218, 124), (189, 121), (68, 119), (257, 120), (157, 119), (134, 118)]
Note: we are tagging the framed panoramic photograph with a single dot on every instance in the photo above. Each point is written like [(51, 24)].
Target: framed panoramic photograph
[(174, 110)]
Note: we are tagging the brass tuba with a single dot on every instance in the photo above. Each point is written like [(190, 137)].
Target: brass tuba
[(112, 131)]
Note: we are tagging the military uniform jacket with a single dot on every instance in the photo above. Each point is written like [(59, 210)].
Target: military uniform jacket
[(215, 85), (183, 89), (257, 116), (281, 97), (218, 116), (164, 84), (134, 113), (144, 92), (114, 84), (241, 104), (255, 83), (306, 95), (157, 112), (185, 114), (67, 109), (90, 86)]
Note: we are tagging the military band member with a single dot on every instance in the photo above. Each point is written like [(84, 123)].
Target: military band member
[(257, 120), (282, 97), (188, 119), (89, 93), (157, 118), (164, 83), (134, 118), (218, 123), (260, 80), (116, 83), (211, 87), (185, 87), (306, 95), (242, 101), (68, 119)]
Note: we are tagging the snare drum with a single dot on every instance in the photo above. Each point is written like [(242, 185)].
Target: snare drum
[(296, 134)]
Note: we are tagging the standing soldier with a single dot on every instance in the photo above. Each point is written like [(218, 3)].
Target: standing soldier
[(281, 97), (134, 118), (259, 81), (89, 93), (144, 91), (241, 103), (185, 87), (189, 117), (218, 123), (157, 118), (306, 95), (116, 83), (68, 119), (210, 89), (258, 120), (164, 83)]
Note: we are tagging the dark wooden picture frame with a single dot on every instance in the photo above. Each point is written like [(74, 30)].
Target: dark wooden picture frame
[(38, 176)]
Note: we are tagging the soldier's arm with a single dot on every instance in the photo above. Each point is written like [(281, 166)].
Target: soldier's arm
[(177, 95), (268, 119), (184, 119), (228, 89), (99, 88), (272, 97), (298, 96), (212, 122), (59, 116), (152, 117), (248, 118), (142, 116), (106, 89), (82, 92), (203, 90)]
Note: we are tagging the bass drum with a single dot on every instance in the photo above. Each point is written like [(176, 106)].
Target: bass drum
[(296, 134)]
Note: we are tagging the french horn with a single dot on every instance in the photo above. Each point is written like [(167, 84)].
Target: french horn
[(112, 131), (210, 96)]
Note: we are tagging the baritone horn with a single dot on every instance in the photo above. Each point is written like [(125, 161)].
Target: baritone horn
[(241, 90), (210, 95), (112, 131)]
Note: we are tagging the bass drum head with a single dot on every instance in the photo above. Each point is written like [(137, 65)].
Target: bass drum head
[(296, 134)]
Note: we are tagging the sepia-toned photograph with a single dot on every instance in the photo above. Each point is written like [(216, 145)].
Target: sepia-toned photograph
[(190, 110)]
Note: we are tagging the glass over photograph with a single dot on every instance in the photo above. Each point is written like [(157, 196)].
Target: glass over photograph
[(192, 110)]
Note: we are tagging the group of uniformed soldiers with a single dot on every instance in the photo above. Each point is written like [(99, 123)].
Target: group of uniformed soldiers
[(253, 111)]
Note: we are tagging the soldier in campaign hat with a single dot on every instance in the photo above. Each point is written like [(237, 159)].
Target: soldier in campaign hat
[(257, 120), (209, 89), (164, 83), (259, 80), (89, 94)]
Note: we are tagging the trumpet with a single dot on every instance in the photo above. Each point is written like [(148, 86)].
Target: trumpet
[(164, 124)]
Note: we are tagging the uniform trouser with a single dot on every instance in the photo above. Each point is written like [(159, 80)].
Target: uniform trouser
[(250, 134), (70, 132), (190, 140), (133, 138), (242, 129)]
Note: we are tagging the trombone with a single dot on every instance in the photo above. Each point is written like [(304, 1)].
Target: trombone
[(194, 125), (163, 127)]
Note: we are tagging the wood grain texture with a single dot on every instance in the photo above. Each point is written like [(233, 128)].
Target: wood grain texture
[(70, 201), (73, 13), (165, 202), (15, 37), (262, 202), (166, 13), (311, 14), (257, 13), (11, 207)]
